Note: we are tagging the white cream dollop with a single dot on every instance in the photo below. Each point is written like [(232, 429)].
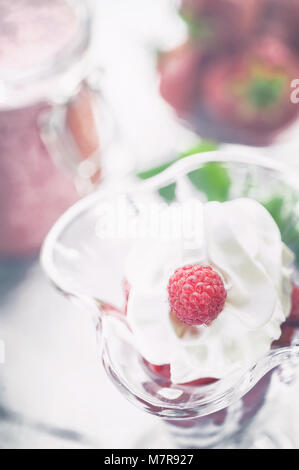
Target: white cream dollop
[(242, 242)]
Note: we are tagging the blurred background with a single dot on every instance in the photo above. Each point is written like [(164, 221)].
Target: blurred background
[(92, 93)]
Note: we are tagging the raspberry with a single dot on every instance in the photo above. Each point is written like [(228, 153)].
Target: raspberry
[(196, 294)]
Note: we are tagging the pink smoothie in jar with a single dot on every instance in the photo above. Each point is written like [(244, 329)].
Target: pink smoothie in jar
[(34, 31), (34, 191)]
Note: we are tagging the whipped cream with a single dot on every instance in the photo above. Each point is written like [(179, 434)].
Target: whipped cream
[(241, 241)]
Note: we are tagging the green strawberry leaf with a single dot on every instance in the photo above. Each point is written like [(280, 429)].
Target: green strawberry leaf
[(144, 175), (275, 207), (204, 146), (265, 92), (201, 147), (212, 179), (282, 210), (168, 193), (205, 179)]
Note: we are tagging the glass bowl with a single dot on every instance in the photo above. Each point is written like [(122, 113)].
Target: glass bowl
[(84, 257)]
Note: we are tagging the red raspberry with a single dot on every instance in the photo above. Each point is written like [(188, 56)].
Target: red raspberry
[(196, 294)]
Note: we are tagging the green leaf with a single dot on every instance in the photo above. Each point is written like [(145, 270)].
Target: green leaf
[(204, 146), (212, 179), (275, 206), (264, 92), (144, 175), (201, 147), (282, 210), (168, 192)]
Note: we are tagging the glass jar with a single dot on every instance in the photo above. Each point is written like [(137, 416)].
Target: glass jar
[(49, 146)]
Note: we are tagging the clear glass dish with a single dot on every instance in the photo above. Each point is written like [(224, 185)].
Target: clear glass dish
[(89, 268)]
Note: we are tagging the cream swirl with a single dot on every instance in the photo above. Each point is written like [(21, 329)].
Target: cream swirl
[(241, 241)]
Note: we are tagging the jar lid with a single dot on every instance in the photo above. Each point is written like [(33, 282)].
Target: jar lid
[(39, 42)]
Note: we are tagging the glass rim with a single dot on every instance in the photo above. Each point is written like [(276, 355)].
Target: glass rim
[(166, 177), (212, 398)]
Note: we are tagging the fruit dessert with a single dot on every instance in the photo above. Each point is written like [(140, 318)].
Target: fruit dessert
[(211, 301), (215, 301)]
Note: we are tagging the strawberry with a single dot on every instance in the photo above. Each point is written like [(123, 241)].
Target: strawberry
[(246, 98)]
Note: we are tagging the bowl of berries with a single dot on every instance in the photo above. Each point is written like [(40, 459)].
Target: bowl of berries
[(195, 298)]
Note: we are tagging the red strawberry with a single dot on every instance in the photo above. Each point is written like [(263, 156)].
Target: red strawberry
[(246, 99)]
